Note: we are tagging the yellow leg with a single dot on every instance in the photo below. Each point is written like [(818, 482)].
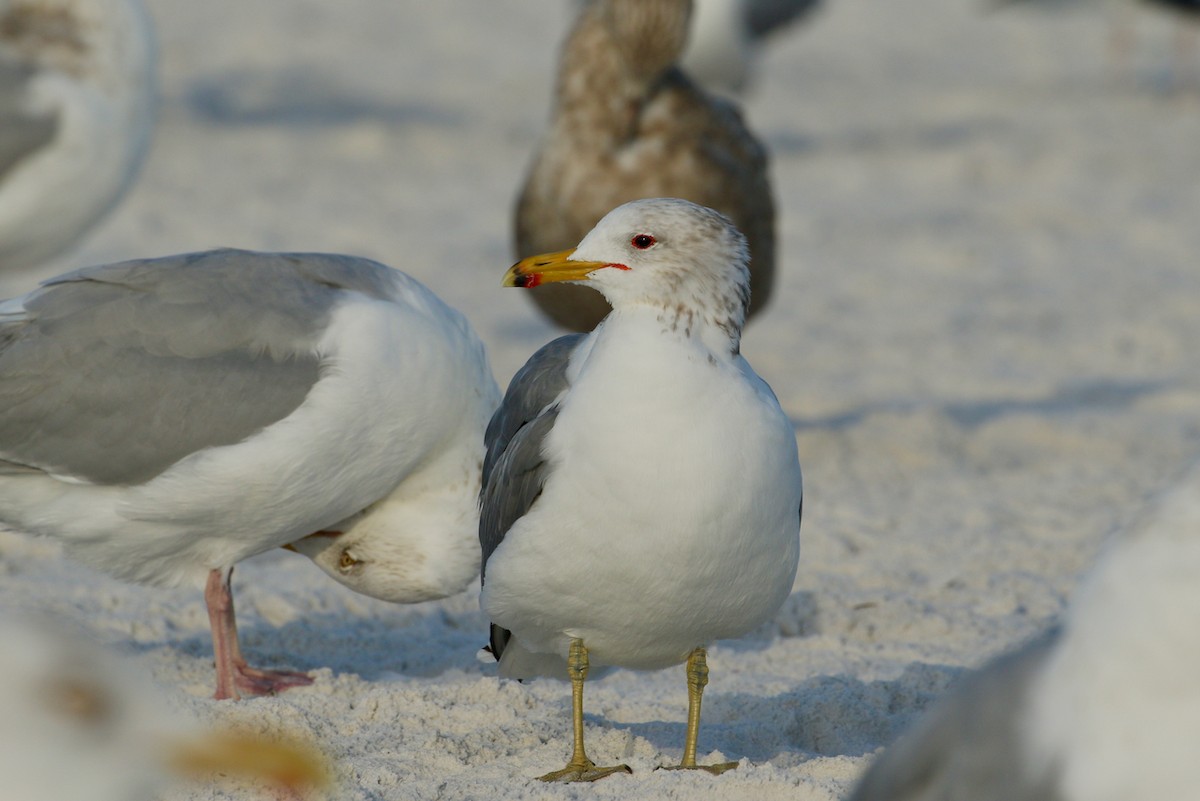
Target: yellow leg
[(580, 768), (697, 678)]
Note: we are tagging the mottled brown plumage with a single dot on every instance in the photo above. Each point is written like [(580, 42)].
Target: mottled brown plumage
[(627, 124)]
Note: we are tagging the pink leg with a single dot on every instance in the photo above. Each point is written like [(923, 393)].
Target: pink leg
[(235, 678)]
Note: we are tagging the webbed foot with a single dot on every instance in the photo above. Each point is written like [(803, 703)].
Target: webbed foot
[(586, 771)]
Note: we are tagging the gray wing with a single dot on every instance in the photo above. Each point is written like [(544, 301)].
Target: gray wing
[(514, 469), (112, 374), (21, 133), (536, 385), (764, 16), (517, 481), (967, 747)]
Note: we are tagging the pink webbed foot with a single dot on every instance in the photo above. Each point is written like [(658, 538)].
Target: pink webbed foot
[(235, 678), (255, 681)]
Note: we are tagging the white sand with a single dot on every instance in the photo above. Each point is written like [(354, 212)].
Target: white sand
[(987, 331)]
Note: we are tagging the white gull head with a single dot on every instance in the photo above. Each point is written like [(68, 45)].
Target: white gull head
[(688, 262)]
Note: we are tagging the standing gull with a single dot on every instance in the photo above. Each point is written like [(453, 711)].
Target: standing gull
[(167, 418), (641, 490), (628, 124), (77, 103), (1105, 708)]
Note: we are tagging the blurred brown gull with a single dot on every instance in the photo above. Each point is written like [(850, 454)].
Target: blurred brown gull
[(628, 124)]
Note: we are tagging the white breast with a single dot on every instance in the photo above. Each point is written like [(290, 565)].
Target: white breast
[(671, 515)]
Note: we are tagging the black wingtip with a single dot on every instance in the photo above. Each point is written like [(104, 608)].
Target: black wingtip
[(499, 639)]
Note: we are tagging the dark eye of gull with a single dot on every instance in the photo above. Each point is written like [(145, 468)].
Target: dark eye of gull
[(643, 241)]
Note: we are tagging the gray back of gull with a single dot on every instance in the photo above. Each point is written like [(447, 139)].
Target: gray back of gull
[(112, 374)]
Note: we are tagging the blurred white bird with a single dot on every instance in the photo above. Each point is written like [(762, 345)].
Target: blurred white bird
[(79, 723), (75, 722), (1106, 708), (726, 36), (77, 86)]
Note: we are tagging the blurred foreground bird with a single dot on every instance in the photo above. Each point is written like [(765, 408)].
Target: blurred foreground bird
[(628, 124), (77, 92), (165, 419), (642, 490), (78, 723), (1107, 708)]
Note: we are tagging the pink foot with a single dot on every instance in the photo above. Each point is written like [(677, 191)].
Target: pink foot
[(253, 681), (235, 678)]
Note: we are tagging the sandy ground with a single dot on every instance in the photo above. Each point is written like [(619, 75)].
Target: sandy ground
[(987, 332)]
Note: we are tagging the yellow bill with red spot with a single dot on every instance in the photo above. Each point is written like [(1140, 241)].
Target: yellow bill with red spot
[(550, 267)]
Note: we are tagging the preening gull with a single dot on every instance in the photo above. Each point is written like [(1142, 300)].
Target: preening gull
[(77, 99), (168, 418), (1105, 708), (628, 124), (642, 490), (78, 722), (75, 722)]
